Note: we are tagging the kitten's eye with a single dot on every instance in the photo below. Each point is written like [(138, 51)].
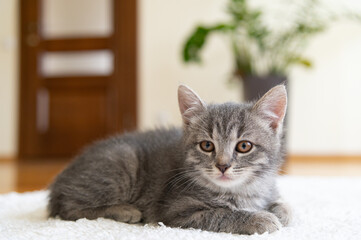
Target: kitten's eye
[(207, 146), (244, 146)]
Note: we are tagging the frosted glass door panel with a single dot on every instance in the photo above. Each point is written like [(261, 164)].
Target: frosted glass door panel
[(76, 18), (98, 63)]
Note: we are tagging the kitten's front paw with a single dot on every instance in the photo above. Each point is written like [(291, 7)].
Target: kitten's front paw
[(261, 222), (282, 211)]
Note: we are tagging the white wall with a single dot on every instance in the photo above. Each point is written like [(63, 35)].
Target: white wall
[(163, 27), (324, 116), (324, 111), (8, 77)]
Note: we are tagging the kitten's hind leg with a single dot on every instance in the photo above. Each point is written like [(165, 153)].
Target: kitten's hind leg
[(122, 213)]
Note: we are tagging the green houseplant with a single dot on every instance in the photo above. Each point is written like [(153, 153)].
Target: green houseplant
[(263, 54)]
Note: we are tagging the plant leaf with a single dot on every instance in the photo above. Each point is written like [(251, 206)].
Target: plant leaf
[(300, 60), (196, 41)]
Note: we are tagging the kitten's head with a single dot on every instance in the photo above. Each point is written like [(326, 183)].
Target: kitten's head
[(232, 144)]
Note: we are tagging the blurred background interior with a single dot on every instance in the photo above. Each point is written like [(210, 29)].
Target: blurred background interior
[(73, 71)]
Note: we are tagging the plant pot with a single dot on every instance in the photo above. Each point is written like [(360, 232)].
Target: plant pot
[(255, 87)]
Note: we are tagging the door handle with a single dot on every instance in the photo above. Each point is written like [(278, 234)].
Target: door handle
[(32, 40), (42, 110)]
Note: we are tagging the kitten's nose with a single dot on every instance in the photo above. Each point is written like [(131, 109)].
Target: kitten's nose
[(222, 167)]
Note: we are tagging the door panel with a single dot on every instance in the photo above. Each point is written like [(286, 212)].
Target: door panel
[(75, 88), (76, 63), (72, 121), (62, 19)]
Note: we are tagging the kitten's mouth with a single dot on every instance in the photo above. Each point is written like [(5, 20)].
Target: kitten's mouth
[(224, 178)]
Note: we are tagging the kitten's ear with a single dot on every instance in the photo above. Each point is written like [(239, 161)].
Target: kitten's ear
[(272, 106), (189, 102)]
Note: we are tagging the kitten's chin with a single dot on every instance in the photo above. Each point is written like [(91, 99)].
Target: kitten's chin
[(221, 185), (225, 182), (228, 182)]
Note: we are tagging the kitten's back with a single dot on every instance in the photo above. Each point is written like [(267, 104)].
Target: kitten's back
[(115, 170)]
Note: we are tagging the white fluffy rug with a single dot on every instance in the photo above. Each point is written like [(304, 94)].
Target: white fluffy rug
[(324, 208)]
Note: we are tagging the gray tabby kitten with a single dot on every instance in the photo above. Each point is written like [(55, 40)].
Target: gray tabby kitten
[(217, 173)]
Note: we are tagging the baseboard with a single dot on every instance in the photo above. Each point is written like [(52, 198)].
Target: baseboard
[(7, 159), (331, 159)]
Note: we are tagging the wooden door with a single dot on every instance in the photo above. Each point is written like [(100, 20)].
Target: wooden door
[(61, 111)]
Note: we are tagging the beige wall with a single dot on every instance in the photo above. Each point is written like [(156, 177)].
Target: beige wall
[(8, 77), (324, 111), (162, 30), (324, 115)]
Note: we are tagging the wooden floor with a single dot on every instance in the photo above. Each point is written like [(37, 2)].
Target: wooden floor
[(324, 165), (28, 176), (36, 175)]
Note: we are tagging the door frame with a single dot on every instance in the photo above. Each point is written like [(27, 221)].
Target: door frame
[(123, 43)]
